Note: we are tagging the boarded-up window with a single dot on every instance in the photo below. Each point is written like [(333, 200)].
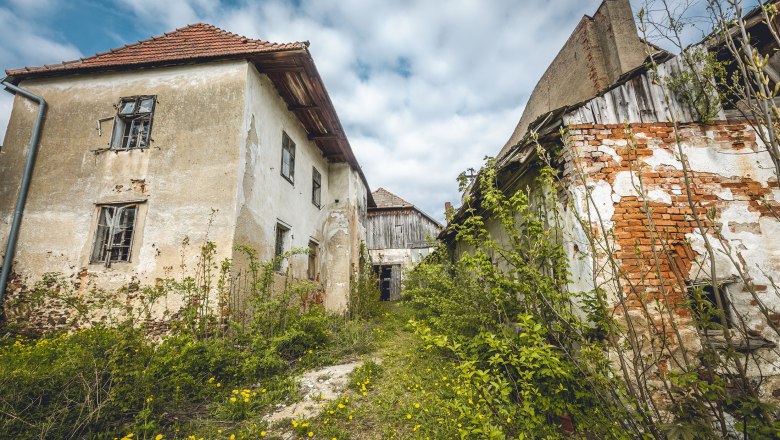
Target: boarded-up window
[(288, 158), (314, 251), (133, 123), (114, 234), (316, 187)]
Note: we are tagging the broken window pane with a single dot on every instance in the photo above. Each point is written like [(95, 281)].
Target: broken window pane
[(127, 107), (281, 237), (316, 187), (146, 105), (313, 254), (288, 158), (114, 234), (133, 123)]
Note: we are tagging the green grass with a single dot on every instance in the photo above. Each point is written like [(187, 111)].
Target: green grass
[(400, 396)]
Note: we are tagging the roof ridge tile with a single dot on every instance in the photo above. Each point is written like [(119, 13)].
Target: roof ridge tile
[(197, 40)]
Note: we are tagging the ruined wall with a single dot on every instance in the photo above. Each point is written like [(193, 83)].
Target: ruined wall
[(187, 175), (344, 232), (629, 186), (265, 197), (598, 51)]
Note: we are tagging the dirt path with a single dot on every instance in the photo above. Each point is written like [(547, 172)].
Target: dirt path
[(319, 387)]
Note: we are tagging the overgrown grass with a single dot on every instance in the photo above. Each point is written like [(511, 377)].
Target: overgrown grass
[(108, 382), (211, 377)]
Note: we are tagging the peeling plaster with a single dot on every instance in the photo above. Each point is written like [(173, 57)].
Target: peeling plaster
[(660, 196), (611, 151), (736, 163), (626, 184), (662, 157)]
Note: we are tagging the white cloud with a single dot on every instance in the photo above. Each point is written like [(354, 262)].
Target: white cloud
[(26, 43), (424, 89)]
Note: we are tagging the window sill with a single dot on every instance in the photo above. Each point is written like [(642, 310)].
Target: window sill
[(716, 340)]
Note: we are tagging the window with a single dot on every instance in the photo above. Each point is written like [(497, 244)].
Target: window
[(288, 158), (133, 123), (281, 238), (704, 306), (114, 234), (314, 250), (316, 187)]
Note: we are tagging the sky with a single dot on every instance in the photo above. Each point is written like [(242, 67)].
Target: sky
[(424, 89)]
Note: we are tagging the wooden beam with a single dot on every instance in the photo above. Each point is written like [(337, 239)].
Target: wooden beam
[(295, 107), (319, 136), (281, 69)]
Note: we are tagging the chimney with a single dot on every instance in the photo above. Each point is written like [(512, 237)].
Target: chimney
[(447, 207), (617, 36)]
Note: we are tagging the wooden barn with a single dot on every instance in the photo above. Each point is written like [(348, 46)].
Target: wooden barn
[(398, 235)]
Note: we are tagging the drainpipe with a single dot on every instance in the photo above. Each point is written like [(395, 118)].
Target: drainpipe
[(13, 235)]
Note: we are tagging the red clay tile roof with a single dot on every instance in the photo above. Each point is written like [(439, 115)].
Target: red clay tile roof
[(385, 199), (196, 41)]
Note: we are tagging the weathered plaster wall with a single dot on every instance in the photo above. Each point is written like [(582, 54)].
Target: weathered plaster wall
[(344, 232), (629, 186), (188, 172), (265, 197)]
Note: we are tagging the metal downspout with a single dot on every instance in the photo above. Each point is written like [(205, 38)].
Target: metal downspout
[(29, 165)]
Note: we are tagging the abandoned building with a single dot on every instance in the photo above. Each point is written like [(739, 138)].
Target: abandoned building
[(629, 228), (199, 135), (398, 235)]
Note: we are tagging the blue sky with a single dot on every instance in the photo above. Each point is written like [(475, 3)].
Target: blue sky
[(424, 89)]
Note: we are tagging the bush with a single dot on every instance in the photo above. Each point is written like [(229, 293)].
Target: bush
[(364, 296)]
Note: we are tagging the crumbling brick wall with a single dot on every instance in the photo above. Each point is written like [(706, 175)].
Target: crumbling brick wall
[(628, 184)]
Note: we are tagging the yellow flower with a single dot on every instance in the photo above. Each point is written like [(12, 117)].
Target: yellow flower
[(158, 437), (246, 400), (219, 384), (235, 391), (408, 416), (211, 380), (219, 431), (341, 405), (311, 434), (417, 405), (232, 399), (262, 433), (232, 437)]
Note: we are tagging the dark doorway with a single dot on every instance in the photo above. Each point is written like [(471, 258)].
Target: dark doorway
[(389, 276)]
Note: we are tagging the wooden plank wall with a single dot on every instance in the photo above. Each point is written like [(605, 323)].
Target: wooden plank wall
[(398, 229)]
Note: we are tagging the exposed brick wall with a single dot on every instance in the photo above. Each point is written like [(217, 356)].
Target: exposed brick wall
[(653, 232), (641, 224)]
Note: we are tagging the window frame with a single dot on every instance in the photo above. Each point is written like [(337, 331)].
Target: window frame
[(288, 146), (124, 123), (281, 234), (712, 324), (316, 187), (313, 263), (103, 244)]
